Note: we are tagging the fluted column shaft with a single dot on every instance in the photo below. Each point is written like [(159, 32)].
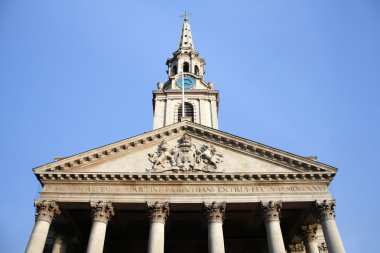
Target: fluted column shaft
[(309, 235), (101, 214), (326, 214), (158, 213), (45, 213), (271, 214), (215, 213)]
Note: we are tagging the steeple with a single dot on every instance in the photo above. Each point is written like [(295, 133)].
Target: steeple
[(186, 42), (186, 68), (185, 59)]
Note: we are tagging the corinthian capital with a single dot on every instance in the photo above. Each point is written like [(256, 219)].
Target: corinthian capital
[(271, 210), (309, 232), (322, 247), (158, 212), (102, 211), (215, 212), (46, 210), (325, 210), (296, 248)]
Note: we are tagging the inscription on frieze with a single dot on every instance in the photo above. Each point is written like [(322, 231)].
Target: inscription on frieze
[(180, 189)]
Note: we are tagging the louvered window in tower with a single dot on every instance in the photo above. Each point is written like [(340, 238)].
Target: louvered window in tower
[(174, 70), (196, 70), (186, 67), (189, 111)]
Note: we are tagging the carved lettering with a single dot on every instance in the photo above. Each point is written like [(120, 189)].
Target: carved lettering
[(180, 189)]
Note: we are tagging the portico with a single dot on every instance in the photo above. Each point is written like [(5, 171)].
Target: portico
[(264, 204), (233, 227)]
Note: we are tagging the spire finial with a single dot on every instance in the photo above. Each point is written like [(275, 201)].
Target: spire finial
[(186, 41), (185, 15)]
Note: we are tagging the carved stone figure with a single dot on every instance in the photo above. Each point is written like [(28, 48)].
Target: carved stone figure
[(162, 157), (185, 157), (208, 157)]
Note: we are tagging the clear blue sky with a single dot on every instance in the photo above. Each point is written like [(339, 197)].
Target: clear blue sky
[(302, 76)]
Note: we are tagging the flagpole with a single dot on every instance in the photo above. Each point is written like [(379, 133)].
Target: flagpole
[(183, 95)]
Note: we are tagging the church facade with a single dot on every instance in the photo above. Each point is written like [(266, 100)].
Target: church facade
[(185, 186)]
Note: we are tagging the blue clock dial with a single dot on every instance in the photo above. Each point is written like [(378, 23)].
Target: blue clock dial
[(188, 81)]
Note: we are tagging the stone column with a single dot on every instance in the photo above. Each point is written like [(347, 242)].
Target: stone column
[(271, 213), (45, 213), (101, 214), (60, 244), (215, 213), (158, 213), (326, 214), (309, 236)]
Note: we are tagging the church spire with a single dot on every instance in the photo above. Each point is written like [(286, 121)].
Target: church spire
[(186, 41), (185, 75)]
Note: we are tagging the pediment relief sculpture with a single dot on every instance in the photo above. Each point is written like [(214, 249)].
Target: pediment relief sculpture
[(185, 157)]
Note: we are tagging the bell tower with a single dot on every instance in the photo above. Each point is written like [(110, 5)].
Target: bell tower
[(185, 68)]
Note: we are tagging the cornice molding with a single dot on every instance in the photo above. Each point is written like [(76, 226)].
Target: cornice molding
[(323, 178)]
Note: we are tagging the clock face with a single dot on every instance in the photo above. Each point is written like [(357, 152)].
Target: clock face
[(188, 81)]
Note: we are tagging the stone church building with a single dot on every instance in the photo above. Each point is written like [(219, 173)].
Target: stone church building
[(185, 186)]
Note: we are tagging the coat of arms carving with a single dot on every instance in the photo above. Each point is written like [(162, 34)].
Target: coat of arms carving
[(185, 157)]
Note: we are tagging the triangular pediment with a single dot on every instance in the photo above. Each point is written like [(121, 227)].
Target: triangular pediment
[(185, 147)]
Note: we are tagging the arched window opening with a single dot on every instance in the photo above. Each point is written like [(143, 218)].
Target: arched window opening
[(189, 111), (186, 67), (196, 70), (174, 70)]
